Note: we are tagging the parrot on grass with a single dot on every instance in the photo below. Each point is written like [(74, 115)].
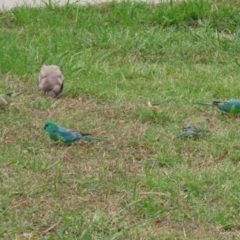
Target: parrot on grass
[(230, 106), (7, 99), (57, 133), (195, 128)]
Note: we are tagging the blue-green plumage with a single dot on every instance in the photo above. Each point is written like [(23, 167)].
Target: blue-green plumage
[(58, 133), (230, 106)]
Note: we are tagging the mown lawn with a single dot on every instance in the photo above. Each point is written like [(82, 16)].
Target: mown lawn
[(138, 67)]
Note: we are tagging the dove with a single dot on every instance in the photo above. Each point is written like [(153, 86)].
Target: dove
[(194, 128), (230, 106), (58, 133), (6, 99), (51, 80)]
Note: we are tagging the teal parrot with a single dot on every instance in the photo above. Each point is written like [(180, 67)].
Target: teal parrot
[(57, 133), (195, 127), (230, 106), (7, 99)]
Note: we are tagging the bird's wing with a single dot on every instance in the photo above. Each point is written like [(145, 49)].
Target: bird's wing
[(67, 134)]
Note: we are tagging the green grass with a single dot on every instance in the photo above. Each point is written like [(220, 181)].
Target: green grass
[(145, 183)]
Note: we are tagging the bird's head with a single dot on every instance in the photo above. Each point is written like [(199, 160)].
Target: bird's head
[(50, 126)]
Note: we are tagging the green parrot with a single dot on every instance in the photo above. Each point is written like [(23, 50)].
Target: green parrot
[(230, 106), (6, 99), (58, 133), (195, 128)]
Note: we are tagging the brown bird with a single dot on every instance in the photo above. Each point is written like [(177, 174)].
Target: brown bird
[(51, 80)]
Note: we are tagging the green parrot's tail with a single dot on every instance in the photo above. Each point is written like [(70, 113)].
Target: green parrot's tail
[(204, 104), (17, 94), (89, 138)]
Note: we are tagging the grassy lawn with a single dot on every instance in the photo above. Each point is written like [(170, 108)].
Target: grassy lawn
[(139, 68)]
